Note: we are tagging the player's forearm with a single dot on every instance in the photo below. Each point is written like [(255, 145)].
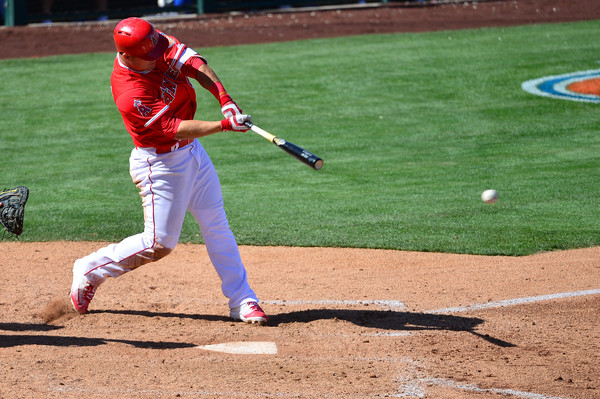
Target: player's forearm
[(192, 129), (209, 80), (206, 76)]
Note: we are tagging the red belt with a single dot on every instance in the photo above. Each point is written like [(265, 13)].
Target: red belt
[(180, 144)]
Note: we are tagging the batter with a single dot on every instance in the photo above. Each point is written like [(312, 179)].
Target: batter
[(151, 89)]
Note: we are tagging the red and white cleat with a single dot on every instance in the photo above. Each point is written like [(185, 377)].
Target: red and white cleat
[(249, 312), (82, 292)]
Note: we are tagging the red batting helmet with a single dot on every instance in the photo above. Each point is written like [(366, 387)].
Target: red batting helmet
[(138, 37)]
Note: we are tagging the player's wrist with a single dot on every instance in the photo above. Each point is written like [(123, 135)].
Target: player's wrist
[(225, 99), (226, 125), (220, 93)]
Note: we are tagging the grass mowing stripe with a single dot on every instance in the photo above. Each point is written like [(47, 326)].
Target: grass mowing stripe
[(412, 127)]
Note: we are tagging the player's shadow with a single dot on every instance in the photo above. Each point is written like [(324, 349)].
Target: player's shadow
[(385, 320), (147, 313), (27, 327), (377, 319), (390, 320), (7, 341)]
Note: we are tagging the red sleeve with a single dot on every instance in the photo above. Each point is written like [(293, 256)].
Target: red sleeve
[(149, 120), (190, 68), (183, 59)]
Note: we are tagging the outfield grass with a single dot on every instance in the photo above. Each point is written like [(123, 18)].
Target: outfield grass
[(412, 128)]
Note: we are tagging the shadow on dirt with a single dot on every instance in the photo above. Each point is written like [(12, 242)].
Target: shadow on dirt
[(7, 341), (390, 320), (385, 320), (146, 313), (27, 327), (378, 319)]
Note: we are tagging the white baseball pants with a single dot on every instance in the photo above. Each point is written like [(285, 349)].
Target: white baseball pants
[(171, 184)]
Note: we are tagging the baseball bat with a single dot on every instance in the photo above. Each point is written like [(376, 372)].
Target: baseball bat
[(297, 152)]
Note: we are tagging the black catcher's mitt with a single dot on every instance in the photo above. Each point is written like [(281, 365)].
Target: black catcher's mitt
[(12, 209)]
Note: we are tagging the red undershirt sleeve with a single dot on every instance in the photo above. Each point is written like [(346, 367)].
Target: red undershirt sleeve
[(192, 65)]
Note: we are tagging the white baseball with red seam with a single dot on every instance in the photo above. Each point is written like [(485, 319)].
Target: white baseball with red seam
[(489, 196)]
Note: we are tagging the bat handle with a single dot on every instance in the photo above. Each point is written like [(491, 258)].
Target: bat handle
[(260, 131)]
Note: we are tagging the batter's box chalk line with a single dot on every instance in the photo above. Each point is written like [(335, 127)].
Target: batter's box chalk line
[(474, 388), (412, 384), (516, 301), (382, 303)]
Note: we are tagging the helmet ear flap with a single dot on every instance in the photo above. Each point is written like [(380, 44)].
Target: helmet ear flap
[(139, 38)]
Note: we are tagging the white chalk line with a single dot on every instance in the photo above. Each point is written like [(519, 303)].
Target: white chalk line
[(513, 302), (410, 387), (386, 304), (411, 384), (413, 387), (475, 388), (394, 304)]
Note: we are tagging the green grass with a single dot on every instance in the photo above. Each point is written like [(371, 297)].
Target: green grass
[(412, 128)]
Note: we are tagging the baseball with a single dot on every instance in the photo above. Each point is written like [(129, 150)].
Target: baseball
[(489, 196)]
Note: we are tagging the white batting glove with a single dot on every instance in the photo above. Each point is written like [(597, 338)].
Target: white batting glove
[(236, 122), (230, 109)]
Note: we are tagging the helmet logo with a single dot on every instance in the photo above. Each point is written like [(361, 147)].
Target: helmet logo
[(154, 39)]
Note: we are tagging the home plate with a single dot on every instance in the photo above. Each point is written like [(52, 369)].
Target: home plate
[(243, 348)]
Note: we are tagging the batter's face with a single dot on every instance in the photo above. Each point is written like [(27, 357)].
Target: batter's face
[(135, 63)]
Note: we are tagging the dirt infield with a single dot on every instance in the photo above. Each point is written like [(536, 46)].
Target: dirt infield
[(345, 323), (350, 323), (221, 30)]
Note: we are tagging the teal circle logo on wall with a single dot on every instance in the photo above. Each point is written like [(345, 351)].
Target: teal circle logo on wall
[(581, 86)]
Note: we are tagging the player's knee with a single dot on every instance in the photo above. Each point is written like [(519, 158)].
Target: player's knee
[(157, 252), (161, 251), (153, 254)]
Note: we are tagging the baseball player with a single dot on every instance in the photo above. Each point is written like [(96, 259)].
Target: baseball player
[(151, 88)]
